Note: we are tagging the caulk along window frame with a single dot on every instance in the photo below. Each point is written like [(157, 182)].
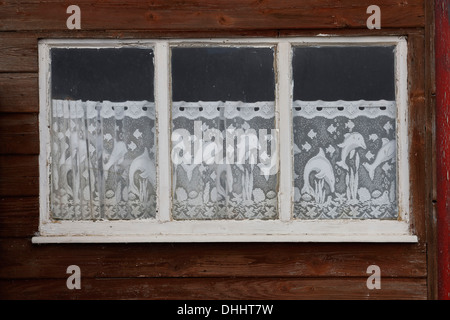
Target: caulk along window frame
[(285, 223)]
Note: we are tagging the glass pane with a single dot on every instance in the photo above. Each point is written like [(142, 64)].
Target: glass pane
[(223, 133), (102, 134), (344, 129)]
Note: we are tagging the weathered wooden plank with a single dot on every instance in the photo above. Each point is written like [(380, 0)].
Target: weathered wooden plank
[(210, 15), (214, 289), (442, 10), (430, 101), (418, 120), (19, 133), (18, 53), (19, 217), (19, 123), (19, 176), (276, 265), (21, 259), (19, 92), (21, 143)]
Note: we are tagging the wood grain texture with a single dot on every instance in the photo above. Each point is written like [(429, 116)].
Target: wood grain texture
[(18, 52), (214, 289), (418, 120), (19, 92), (200, 270), (19, 175), (21, 259), (209, 15), (19, 217), (442, 10), (430, 101), (19, 133)]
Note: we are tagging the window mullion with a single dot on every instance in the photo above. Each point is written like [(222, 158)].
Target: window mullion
[(162, 103), (284, 106)]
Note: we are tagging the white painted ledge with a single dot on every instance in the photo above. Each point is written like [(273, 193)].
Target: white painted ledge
[(226, 238), (225, 231)]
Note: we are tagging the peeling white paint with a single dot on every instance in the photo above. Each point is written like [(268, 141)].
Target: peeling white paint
[(163, 229)]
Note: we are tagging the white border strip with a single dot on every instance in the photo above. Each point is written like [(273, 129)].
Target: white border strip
[(401, 85), (183, 238), (284, 108), (195, 42), (224, 230), (162, 100), (44, 133)]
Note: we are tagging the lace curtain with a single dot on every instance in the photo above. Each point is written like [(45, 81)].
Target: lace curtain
[(103, 160), (345, 160), (234, 174)]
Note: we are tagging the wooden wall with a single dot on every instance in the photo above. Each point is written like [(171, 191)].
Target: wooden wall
[(208, 270)]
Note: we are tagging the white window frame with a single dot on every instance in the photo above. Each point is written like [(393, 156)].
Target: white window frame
[(285, 229)]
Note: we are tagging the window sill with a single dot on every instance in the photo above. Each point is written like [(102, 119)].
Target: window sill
[(148, 231)]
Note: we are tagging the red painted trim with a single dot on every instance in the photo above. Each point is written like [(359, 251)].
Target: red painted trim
[(442, 45)]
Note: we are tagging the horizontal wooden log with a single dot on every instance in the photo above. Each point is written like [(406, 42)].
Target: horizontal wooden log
[(215, 289), (19, 92), (19, 217), (19, 133), (26, 43), (19, 123), (18, 52), (210, 15), (22, 259), (19, 143), (19, 176)]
